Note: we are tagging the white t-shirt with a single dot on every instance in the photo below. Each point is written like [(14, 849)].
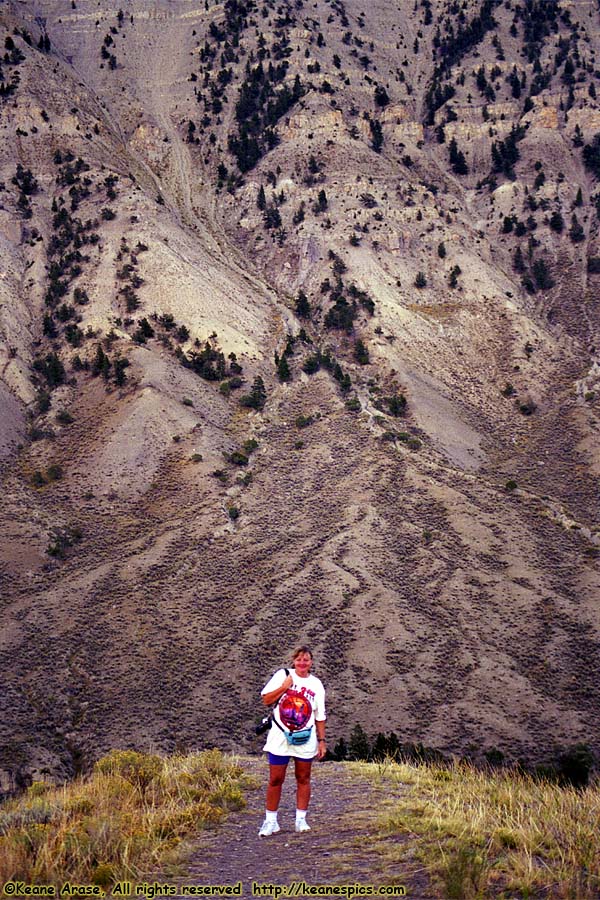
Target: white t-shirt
[(298, 708)]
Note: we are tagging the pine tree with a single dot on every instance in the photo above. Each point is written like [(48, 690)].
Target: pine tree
[(272, 217), (376, 135), (302, 306), (361, 354), (542, 275), (381, 96), (98, 364), (283, 370), (576, 232), (259, 392), (120, 365), (481, 79), (518, 261), (106, 367), (261, 200), (591, 156), (457, 159), (340, 750), (358, 746), (257, 397), (453, 280)]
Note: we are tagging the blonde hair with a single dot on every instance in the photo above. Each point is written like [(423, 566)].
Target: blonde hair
[(301, 649)]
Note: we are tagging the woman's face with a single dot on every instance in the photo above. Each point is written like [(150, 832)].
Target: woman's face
[(302, 664)]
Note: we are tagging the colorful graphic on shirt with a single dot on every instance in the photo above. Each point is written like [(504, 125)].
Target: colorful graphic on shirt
[(294, 710)]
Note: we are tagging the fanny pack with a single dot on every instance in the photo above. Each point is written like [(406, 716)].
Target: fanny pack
[(295, 738)]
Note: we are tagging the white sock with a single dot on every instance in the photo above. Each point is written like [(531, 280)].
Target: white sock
[(300, 815), (270, 816)]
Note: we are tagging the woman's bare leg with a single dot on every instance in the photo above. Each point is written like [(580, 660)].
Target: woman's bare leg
[(302, 771), (276, 779)]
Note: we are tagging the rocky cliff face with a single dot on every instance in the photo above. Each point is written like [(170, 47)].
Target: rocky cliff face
[(298, 340)]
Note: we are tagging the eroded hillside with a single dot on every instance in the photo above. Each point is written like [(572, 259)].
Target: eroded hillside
[(298, 340)]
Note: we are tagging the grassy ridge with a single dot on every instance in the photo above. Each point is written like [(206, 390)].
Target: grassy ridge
[(129, 816), (477, 834), (494, 834)]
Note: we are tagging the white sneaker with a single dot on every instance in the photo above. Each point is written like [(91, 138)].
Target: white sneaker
[(268, 828), (302, 825)]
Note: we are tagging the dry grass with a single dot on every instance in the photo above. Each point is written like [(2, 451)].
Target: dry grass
[(442, 312), (494, 834), (131, 814)]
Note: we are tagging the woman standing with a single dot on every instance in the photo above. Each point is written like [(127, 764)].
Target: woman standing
[(297, 730)]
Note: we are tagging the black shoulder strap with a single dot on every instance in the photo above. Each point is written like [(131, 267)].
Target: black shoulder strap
[(287, 672), (281, 728), (271, 715)]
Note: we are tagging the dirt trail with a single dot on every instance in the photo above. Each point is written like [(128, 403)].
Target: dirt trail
[(343, 847)]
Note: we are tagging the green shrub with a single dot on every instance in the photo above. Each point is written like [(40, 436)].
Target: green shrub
[(139, 769), (283, 370), (103, 875), (257, 398), (527, 407), (39, 788), (361, 354), (358, 745), (227, 796), (43, 401), (465, 871), (311, 364), (61, 539), (593, 265), (37, 479), (396, 404), (575, 765)]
